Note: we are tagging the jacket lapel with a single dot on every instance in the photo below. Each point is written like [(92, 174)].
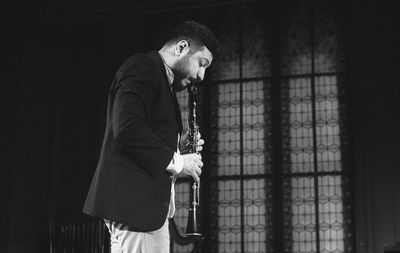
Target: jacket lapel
[(178, 112), (155, 55)]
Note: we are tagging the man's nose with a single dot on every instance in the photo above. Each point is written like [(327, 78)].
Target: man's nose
[(200, 75)]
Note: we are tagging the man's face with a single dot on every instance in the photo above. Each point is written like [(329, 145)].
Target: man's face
[(191, 68)]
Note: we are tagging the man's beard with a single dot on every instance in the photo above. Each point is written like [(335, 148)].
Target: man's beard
[(178, 85), (180, 73)]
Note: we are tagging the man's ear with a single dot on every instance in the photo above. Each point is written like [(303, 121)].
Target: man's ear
[(182, 48)]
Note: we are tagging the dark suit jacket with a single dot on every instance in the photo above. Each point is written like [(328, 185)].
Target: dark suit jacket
[(131, 185)]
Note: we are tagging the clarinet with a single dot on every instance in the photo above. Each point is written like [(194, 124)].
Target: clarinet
[(192, 228)]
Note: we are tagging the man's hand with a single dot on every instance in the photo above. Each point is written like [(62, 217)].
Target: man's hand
[(192, 165), (184, 142)]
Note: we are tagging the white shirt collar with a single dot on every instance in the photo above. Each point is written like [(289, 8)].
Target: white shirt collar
[(170, 74)]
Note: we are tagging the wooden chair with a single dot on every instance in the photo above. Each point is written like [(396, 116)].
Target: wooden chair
[(394, 248), (79, 237)]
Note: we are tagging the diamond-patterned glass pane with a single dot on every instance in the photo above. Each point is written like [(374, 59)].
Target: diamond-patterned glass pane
[(229, 215), (330, 204), (303, 215), (229, 238), (327, 124), (229, 129), (331, 214), (255, 214), (254, 128), (300, 125)]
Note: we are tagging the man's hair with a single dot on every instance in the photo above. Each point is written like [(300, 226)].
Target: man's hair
[(196, 34)]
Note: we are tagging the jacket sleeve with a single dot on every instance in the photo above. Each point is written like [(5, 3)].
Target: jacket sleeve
[(137, 86)]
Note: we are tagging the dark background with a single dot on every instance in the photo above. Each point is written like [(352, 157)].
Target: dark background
[(56, 73)]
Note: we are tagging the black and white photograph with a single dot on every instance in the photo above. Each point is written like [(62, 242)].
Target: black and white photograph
[(212, 126)]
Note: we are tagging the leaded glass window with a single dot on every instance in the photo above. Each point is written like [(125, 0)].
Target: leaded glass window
[(273, 115)]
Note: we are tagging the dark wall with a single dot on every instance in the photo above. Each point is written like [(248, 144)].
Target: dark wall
[(57, 115), (57, 77), (374, 86)]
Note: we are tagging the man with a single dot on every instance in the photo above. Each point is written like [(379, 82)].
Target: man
[(132, 189)]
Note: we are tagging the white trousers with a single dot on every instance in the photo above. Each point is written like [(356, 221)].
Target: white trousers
[(125, 241)]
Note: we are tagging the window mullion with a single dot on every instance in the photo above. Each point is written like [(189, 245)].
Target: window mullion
[(314, 132), (276, 119), (242, 220)]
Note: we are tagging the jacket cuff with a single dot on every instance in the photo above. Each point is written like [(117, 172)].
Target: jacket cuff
[(176, 164)]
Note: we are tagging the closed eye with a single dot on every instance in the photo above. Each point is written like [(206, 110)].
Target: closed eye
[(204, 63)]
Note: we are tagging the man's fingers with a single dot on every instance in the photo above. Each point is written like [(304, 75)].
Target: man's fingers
[(197, 157), (193, 165), (200, 143)]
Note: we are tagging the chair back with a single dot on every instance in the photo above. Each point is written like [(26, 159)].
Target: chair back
[(79, 237)]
